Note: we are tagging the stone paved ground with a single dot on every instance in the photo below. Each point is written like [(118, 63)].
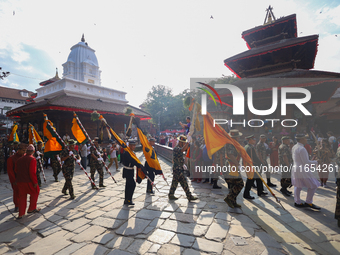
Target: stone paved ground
[(96, 222)]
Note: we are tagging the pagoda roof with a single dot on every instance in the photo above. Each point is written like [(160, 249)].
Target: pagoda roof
[(281, 56), (322, 85), (284, 27), (76, 104), (49, 81)]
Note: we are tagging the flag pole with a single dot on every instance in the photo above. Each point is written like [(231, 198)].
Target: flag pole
[(38, 152), (130, 125), (277, 200), (74, 157), (124, 146), (91, 142)]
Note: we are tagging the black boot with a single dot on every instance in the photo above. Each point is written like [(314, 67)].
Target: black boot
[(270, 184), (216, 186)]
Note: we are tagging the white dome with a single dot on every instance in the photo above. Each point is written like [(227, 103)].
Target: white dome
[(82, 64), (82, 53)]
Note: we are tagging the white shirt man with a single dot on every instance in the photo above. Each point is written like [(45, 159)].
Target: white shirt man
[(302, 173)]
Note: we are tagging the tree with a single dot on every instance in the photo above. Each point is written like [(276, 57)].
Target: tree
[(165, 107)]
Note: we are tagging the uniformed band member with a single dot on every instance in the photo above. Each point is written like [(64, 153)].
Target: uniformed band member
[(39, 154), (234, 178), (56, 167), (250, 149), (150, 171), (178, 170), (285, 162), (262, 155), (128, 173), (12, 174), (68, 166), (97, 163)]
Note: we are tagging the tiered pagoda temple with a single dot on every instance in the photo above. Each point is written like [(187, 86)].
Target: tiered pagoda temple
[(277, 57)]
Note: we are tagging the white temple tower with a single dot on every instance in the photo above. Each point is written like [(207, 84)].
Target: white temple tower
[(82, 64)]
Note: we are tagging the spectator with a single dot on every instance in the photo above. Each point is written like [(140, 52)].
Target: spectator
[(274, 155)]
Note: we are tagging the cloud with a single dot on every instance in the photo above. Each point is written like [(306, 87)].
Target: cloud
[(27, 68)]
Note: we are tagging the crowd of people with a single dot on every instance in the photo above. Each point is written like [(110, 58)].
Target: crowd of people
[(24, 164), (295, 159)]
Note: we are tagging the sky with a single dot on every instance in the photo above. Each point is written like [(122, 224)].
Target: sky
[(140, 44)]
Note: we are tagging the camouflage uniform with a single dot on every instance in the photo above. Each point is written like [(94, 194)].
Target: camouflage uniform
[(250, 149), (337, 207), (178, 175), (234, 180), (55, 166), (220, 159), (97, 165), (261, 151), (284, 150), (68, 170), (39, 164)]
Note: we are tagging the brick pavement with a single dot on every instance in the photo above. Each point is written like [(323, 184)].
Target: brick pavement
[(96, 222)]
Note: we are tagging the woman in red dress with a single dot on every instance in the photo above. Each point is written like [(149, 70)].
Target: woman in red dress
[(274, 155)]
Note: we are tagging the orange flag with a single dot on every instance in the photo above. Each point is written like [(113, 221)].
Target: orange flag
[(216, 137)]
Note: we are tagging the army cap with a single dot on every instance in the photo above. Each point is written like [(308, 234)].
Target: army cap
[(132, 142), (71, 142), (299, 136), (250, 137), (263, 136)]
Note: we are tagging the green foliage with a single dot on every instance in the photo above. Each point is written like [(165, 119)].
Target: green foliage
[(95, 116), (224, 80), (166, 107), (187, 101), (128, 111)]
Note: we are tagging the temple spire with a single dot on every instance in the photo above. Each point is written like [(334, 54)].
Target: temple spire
[(269, 16), (82, 38), (56, 74)]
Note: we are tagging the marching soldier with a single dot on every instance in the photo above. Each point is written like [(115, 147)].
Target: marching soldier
[(150, 171), (56, 167), (128, 173), (68, 167), (39, 154), (285, 162), (262, 155), (250, 149), (178, 170), (234, 179), (97, 163)]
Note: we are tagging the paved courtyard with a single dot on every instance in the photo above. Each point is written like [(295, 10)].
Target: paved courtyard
[(97, 222)]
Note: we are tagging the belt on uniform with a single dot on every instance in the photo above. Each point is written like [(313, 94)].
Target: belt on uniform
[(128, 167)]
